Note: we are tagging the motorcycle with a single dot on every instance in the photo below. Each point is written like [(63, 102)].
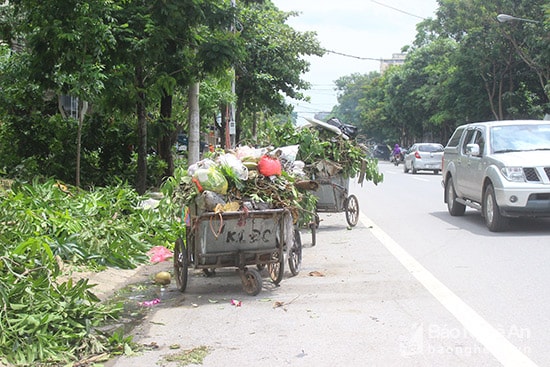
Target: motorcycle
[(397, 158)]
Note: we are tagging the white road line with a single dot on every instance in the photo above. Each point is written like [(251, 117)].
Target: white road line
[(500, 347)]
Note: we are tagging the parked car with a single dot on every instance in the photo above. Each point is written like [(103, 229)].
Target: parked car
[(423, 157), (381, 151), (501, 168)]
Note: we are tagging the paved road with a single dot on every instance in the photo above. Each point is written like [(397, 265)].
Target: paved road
[(501, 276), (358, 301)]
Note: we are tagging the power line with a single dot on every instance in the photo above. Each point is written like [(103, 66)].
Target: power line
[(399, 10), (352, 56), (372, 58)]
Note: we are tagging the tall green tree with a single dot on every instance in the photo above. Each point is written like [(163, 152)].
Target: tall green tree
[(489, 46), (66, 43), (349, 93), (273, 64)]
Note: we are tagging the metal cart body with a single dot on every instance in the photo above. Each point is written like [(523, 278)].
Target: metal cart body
[(332, 197), (238, 239)]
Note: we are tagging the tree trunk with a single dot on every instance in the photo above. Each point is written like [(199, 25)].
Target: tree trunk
[(141, 177), (194, 125), (168, 137), (82, 109)]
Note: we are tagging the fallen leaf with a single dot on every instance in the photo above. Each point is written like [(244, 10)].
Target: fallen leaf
[(316, 274), (152, 345), (278, 304)]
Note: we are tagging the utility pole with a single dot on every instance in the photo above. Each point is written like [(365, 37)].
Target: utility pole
[(232, 128)]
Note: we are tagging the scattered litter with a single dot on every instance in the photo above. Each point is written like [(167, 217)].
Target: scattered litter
[(302, 354), (236, 303), (150, 303), (316, 274), (152, 345), (159, 254), (281, 304), (174, 346)]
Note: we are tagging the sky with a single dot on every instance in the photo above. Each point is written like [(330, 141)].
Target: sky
[(367, 29)]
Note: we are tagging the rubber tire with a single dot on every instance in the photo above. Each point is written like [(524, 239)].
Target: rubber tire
[(493, 219), (455, 208), (413, 169), (295, 254), (436, 171), (313, 228), (252, 282), (351, 207), (405, 169), (276, 269), (181, 264)]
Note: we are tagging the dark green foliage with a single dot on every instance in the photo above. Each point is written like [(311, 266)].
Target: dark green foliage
[(316, 145)]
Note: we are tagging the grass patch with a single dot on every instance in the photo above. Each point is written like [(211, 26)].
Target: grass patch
[(188, 356)]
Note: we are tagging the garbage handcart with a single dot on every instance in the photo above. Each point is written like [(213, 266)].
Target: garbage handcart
[(249, 240), (333, 197)]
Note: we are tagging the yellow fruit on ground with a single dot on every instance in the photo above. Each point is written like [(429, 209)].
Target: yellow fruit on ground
[(163, 277)]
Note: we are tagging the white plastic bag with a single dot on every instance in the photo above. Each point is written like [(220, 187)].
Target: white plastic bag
[(236, 165)]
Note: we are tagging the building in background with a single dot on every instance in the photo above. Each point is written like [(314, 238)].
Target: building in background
[(396, 59)]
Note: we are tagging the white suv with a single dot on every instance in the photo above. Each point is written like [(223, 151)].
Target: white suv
[(501, 168)]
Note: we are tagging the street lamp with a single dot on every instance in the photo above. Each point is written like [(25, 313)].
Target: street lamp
[(503, 18)]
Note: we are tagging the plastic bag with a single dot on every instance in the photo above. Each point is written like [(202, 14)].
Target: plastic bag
[(297, 168), (159, 254), (210, 179), (249, 153), (205, 163), (288, 153), (269, 166), (235, 164)]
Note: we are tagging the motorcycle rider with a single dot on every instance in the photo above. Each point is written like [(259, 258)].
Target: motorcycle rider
[(396, 153)]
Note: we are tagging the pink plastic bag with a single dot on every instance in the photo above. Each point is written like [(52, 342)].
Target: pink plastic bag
[(159, 254), (269, 166)]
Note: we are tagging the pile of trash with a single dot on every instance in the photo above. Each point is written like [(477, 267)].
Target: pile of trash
[(247, 178), (335, 152)]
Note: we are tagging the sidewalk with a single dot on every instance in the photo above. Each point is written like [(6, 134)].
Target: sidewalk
[(352, 304)]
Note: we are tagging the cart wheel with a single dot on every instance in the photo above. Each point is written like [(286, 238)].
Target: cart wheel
[(295, 254), (181, 264), (352, 210), (252, 282), (276, 269), (313, 227)]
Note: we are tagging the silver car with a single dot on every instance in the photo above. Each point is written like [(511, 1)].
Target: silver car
[(501, 168), (424, 157)]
